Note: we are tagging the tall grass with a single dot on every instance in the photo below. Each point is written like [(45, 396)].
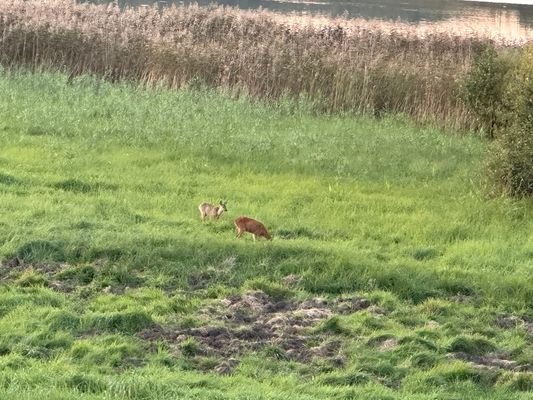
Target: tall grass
[(339, 65)]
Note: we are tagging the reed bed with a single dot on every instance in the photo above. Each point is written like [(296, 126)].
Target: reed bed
[(337, 65)]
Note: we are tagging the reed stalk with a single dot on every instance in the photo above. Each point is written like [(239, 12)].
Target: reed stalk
[(338, 65)]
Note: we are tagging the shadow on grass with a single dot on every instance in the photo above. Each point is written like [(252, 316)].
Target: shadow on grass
[(8, 180), (172, 264), (77, 186), (38, 131), (234, 263), (300, 232)]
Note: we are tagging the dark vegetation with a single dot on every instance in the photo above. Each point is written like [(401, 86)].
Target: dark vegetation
[(499, 89)]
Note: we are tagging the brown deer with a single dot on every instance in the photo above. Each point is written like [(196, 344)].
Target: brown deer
[(211, 211), (256, 228)]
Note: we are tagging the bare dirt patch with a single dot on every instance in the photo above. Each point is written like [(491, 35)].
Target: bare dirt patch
[(60, 276), (12, 268), (388, 344), (17, 264), (509, 321), (291, 280), (255, 320)]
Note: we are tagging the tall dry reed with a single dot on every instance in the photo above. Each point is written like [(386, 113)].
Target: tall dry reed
[(339, 65)]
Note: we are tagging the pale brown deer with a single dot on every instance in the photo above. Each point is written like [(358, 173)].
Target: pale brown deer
[(256, 228), (211, 211)]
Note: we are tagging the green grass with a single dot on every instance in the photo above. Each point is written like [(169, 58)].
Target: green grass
[(100, 184)]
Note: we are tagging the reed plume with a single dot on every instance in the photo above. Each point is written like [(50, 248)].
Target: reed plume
[(339, 65)]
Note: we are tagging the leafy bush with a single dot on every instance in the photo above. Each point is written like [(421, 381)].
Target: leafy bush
[(485, 88), (510, 165)]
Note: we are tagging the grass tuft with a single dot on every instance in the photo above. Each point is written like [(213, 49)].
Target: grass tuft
[(125, 322), (471, 345)]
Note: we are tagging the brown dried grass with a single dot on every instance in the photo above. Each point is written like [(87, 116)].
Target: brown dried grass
[(339, 65)]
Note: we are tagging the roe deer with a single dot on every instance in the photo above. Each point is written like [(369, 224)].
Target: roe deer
[(256, 228), (211, 211)]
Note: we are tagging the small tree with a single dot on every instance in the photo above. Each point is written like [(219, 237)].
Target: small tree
[(511, 159), (485, 87)]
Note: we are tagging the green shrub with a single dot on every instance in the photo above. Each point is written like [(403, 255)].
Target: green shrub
[(485, 88), (510, 165)]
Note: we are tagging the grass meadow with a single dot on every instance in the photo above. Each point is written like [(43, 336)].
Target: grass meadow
[(390, 275)]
